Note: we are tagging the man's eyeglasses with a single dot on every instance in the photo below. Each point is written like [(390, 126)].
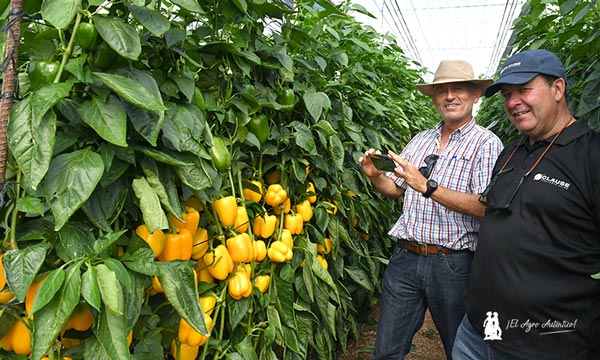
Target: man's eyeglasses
[(430, 161), (483, 197)]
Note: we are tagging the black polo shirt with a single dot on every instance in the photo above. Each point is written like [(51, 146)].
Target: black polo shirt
[(534, 262)]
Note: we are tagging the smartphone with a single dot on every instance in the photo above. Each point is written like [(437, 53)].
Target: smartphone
[(383, 162)]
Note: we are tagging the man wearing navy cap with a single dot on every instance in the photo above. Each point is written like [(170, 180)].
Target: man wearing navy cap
[(531, 294)]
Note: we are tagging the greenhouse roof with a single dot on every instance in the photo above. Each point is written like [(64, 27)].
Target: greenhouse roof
[(433, 30)]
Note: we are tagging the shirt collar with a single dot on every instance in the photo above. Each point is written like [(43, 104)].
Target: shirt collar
[(460, 131), (571, 132)]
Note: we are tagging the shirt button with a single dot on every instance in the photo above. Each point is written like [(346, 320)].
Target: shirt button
[(531, 155)]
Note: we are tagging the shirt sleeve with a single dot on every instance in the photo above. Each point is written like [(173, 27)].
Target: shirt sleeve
[(484, 164)]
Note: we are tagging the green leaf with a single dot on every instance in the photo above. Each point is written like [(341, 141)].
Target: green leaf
[(336, 149), (76, 240), (152, 20), (304, 138), (50, 319), (131, 91), (119, 35), (316, 102), (105, 204), (70, 181), (177, 279), (110, 289), (141, 261), (183, 131), (108, 119), (32, 130), (50, 286), (31, 205), (326, 127), (154, 216), (197, 176), (237, 309), (60, 13), (21, 267), (189, 5), (163, 184), (90, 288), (111, 338), (360, 277)]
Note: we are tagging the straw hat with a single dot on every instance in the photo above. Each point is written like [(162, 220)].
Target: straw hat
[(450, 71)]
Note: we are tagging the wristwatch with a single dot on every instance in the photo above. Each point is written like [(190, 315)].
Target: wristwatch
[(432, 186)]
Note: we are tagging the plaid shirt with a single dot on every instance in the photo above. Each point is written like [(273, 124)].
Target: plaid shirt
[(465, 165)]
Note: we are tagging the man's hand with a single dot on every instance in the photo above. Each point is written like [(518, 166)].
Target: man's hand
[(367, 164), (409, 173)]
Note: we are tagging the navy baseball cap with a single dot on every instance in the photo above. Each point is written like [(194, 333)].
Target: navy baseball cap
[(521, 68)]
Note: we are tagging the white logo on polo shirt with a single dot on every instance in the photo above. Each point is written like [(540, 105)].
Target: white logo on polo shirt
[(552, 181)]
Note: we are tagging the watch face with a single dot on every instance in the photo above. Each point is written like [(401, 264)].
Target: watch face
[(432, 184)]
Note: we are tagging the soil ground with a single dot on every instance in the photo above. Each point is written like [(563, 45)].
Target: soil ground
[(426, 343)]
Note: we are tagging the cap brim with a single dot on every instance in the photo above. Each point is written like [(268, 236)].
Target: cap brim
[(428, 89), (510, 79)]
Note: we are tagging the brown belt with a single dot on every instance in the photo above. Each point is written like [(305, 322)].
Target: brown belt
[(425, 249)]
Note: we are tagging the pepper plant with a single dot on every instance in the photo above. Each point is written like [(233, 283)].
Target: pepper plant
[(571, 29), (141, 169)]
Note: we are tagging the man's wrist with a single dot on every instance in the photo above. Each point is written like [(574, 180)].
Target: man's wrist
[(432, 186)]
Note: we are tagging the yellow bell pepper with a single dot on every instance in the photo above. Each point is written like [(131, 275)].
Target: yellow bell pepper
[(18, 338), (294, 223), (273, 177), (325, 249), (2, 278), (81, 319), (323, 261), (200, 243), (264, 226), (262, 282), (191, 219), (305, 210), (207, 304), (279, 252), (177, 246), (240, 248), (286, 238), (194, 203), (242, 222), (219, 262), (184, 351), (260, 250), (330, 208), (203, 273), (286, 205), (31, 293), (275, 195), (251, 194), (311, 189), (155, 240), (239, 285), (156, 286), (190, 336), (226, 208)]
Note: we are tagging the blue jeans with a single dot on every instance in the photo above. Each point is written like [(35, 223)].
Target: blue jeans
[(469, 345), (411, 284)]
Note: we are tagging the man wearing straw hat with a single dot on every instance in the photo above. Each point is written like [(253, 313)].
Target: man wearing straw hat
[(440, 173)]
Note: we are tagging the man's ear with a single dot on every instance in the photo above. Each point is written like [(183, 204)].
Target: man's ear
[(560, 89)]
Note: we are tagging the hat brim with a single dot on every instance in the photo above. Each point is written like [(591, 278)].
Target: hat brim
[(510, 79), (428, 89)]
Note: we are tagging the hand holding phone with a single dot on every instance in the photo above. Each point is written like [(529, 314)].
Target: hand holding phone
[(383, 162)]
